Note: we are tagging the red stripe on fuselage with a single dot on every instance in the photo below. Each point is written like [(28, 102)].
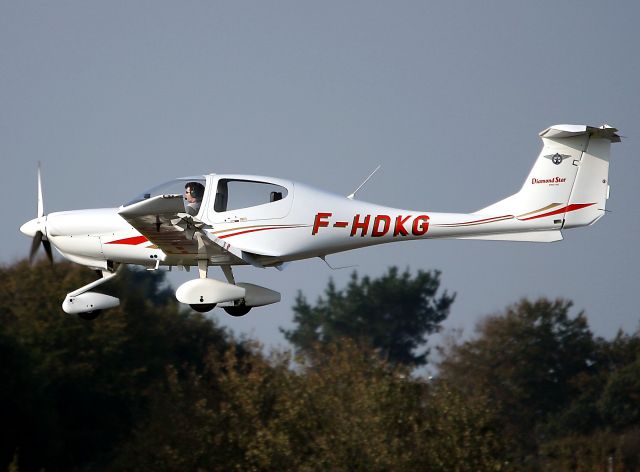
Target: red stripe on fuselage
[(494, 219), (130, 241), (567, 209), (254, 230)]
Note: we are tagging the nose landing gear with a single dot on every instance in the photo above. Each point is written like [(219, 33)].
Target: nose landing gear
[(90, 315)]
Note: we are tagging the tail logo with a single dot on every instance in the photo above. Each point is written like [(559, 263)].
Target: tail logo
[(552, 181), (557, 158)]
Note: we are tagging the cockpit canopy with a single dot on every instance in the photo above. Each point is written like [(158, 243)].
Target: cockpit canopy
[(172, 187), (231, 197)]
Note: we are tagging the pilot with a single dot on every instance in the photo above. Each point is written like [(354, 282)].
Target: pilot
[(193, 193)]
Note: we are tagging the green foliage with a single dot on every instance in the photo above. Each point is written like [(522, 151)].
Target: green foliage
[(620, 403), (392, 314), (525, 362), (346, 410), (151, 387), (72, 389), (597, 452), (555, 391)]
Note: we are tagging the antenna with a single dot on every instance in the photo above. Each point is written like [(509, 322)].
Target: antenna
[(350, 197), (324, 259)]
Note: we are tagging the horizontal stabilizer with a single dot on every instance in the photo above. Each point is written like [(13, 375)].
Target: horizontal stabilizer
[(528, 236), (568, 131)]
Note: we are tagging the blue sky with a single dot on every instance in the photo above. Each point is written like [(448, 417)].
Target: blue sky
[(448, 97)]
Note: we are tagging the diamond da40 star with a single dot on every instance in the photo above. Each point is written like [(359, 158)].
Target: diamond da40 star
[(231, 220)]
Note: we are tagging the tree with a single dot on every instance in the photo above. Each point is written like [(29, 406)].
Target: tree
[(394, 314), (620, 402), (530, 362), (72, 389), (343, 408)]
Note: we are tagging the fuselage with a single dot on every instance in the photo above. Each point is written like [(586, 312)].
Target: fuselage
[(302, 222)]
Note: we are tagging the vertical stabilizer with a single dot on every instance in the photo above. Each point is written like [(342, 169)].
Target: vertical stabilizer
[(569, 183)]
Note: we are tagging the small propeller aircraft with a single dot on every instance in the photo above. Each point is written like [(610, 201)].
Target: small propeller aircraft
[(230, 220)]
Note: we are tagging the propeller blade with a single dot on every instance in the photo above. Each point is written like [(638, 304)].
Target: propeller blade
[(47, 248), (40, 199), (39, 236), (35, 244)]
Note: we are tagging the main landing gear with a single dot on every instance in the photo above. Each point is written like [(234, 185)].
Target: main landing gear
[(236, 310), (203, 307), (239, 308), (203, 294)]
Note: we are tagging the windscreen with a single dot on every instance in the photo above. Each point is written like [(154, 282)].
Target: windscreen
[(173, 187)]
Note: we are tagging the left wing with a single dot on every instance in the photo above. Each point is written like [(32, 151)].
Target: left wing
[(164, 223)]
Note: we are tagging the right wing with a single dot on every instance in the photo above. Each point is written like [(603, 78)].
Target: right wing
[(164, 223)]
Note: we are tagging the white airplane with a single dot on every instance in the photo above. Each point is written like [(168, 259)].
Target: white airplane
[(228, 220)]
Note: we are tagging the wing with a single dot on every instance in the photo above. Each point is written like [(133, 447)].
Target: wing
[(180, 236)]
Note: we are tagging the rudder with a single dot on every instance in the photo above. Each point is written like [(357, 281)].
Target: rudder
[(591, 186)]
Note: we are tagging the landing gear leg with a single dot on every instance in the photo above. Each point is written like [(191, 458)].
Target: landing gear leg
[(228, 273), (239, 309), (203, 269)]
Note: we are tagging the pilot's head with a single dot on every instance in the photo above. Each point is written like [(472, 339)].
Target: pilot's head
[(193, 192)]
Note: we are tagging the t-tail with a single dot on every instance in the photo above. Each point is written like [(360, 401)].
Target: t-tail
[(567, 187)]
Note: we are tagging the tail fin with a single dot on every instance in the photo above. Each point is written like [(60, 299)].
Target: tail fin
[(571, 174)]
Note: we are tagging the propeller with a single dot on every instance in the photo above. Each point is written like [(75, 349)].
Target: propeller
[(35, 244), (36, 228)]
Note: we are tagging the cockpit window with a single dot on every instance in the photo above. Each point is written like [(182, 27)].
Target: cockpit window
[(233, 194), (190, 188)]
